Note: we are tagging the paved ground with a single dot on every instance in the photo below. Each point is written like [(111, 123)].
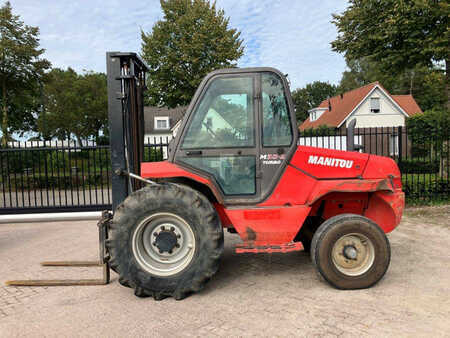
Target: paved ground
[(252, 295)]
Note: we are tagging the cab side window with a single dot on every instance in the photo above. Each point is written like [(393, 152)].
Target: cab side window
[(277, 129)]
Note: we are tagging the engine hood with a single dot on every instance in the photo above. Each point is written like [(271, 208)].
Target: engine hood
[(381, 167), (327, 163)]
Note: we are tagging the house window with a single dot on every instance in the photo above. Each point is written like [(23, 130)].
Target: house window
[(375, 104), (313, 116), (162, 123)]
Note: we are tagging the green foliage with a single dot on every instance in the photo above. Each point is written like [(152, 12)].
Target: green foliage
[(56, 181), (416, 166), (75, 105), (400, 35), (191, 40), (21, 72), (428, 88), (425, 188), (431, 130), (58, 160), (321, 130), (103, 140), (310, 97), (431, 126), (152, 154), (18, 161)]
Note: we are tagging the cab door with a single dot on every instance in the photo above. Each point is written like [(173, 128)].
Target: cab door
[(278, 139), (221, 141)]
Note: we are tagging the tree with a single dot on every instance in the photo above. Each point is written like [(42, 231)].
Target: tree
[(430, 130), (361, 72), (75, 105), (60, 105), (310, 97), (191, 40), (92, 88), (427, 85), (399, 34), (322, 130), (432, 125), (21, 72)]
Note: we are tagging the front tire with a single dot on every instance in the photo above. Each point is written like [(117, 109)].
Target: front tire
[(165, 240), (350, 252)]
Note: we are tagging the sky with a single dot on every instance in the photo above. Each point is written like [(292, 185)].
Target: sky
[(291, 35)]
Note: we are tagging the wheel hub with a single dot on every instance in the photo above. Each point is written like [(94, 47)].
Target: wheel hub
[(166, 241), (163, 244), (353, 254), (350, 252)]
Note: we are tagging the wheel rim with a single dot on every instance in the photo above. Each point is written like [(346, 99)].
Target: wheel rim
[(353, 254), (163, 244)]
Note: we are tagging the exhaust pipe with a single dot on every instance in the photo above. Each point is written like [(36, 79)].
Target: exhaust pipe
[(351, 146)]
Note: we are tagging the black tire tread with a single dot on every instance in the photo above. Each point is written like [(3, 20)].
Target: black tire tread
[(152, 197)]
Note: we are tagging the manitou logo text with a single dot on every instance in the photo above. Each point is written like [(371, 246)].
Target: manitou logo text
[(330, 162)]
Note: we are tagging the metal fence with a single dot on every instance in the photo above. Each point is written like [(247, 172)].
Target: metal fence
[(62, 176), (423, 161)]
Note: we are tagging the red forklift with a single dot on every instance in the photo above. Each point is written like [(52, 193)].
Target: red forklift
[(235, 164)]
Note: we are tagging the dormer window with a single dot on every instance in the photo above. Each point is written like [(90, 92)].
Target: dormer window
[(375, 105), (162, 123), (316, 113)]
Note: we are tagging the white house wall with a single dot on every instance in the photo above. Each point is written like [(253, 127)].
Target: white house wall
[(334, 142), (389, 115), (157, 138)]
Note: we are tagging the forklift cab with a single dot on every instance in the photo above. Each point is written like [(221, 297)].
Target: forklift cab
[(238, 132)]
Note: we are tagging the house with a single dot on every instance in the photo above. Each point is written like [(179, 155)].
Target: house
[(371, 106), (161, 123)]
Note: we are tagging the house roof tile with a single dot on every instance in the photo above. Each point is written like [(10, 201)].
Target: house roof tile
[(408, 104)]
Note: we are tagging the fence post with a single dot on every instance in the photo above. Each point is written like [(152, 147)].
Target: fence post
[(400, 144)]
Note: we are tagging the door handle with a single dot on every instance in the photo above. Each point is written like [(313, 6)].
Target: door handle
[(193, 152)]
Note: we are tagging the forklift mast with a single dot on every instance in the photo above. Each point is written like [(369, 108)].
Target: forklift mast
[(126, 75)]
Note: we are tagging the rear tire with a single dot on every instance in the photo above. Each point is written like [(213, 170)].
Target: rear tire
[(350, 252), (165, 240)]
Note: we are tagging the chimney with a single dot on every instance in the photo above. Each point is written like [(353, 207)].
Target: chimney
[(342, 96), (329, 104)]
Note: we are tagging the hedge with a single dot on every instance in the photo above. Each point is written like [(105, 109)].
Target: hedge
[(56, 182), (436, 189), (419, 166)]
